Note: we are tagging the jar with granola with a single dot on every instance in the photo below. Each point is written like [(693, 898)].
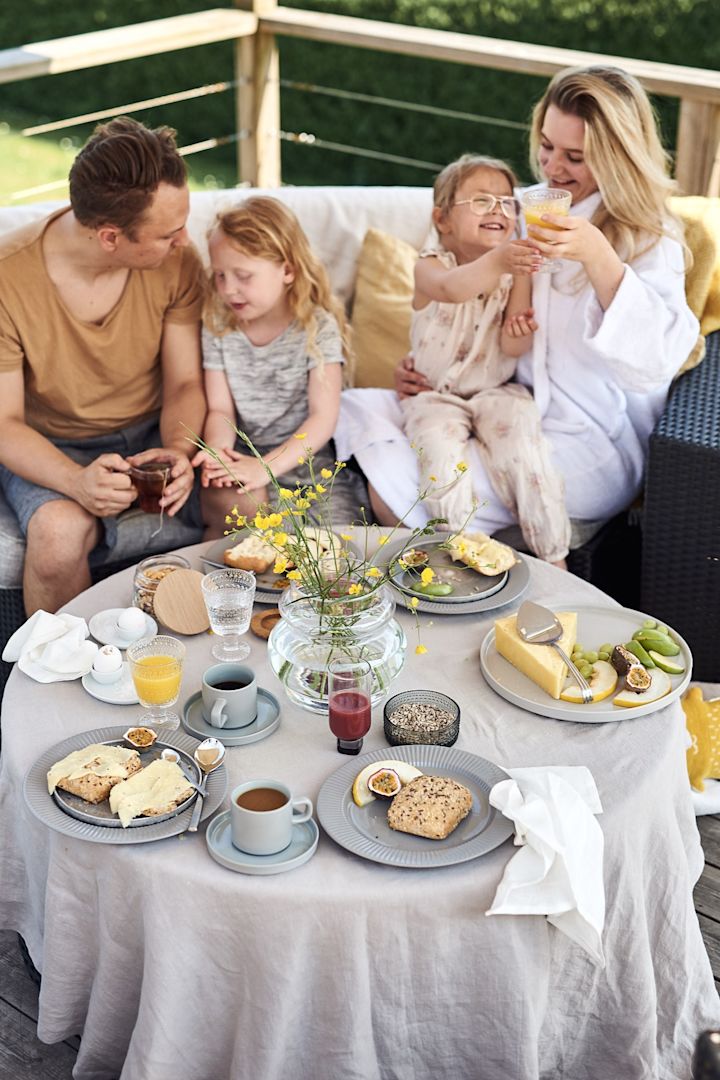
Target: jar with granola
[(149, 573)]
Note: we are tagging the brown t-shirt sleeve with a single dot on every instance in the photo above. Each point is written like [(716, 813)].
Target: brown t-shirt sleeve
[(12, 355), (187, 296)]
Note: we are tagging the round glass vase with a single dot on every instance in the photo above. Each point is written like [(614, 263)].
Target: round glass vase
[(313, 632)]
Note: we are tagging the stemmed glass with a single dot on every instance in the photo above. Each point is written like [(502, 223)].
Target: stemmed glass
[(349, 703), (539, 201), (229, 596), (156, 666)]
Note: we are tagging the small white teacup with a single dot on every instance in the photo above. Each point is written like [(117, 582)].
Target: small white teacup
[(263, 813)]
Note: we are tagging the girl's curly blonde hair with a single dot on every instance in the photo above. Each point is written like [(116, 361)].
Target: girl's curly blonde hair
[(264, 228)]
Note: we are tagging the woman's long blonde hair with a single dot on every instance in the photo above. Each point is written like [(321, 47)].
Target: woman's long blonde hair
[(264, 228), (623, 151)]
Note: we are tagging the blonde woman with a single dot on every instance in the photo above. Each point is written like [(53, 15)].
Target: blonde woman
[(613, 323), (274, 342)]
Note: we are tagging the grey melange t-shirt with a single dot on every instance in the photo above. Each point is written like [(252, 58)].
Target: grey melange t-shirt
[(269, 383)]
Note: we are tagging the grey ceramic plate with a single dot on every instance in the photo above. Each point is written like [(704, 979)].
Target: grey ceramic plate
[(518, 579), (103, 629), (365, 831), (596, 625), (101, 814), (266, 721), (266, 590), (44, 807), (467, 584), (302, 847)]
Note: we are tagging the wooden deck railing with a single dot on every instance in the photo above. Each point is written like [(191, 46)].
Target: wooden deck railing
[(254, 26)]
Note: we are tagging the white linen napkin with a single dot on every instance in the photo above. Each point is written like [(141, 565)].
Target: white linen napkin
[(52, 648), (559, 870)]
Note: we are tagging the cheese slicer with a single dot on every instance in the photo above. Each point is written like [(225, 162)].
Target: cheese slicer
[(539, 626)]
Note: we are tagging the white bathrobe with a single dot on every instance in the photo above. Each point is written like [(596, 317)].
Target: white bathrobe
[(600, 380)]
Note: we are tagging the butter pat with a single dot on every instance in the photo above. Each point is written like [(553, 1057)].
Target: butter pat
[(541, 663)]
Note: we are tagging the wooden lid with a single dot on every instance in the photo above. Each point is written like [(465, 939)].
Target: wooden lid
[(262, 622), (179, 603)]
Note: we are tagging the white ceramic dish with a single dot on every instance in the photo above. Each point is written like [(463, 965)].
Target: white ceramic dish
[(365, 831), (103, 627), (302, 847), (121, 692), (596, 625)]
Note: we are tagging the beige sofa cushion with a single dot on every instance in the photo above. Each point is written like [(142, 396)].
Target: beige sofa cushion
[(382, 307)]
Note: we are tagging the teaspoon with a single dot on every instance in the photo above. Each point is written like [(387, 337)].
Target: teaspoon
[(209, 755), (168, 754)]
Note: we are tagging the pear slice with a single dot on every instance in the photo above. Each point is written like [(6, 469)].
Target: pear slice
[(602, 683), (660, 685), (361, 793)]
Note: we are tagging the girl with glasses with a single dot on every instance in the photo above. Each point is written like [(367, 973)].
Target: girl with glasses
[(471, 320)]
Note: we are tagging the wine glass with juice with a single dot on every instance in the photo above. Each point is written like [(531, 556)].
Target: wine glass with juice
[(156, 666), (349, 703), (539, 201)]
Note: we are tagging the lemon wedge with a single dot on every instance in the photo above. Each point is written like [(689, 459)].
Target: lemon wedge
[(361, 793)]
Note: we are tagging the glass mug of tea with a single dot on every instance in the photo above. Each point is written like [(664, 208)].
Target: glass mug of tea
[(262, 815), (150, 480)]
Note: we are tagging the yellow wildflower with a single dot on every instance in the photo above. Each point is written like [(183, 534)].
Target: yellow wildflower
[(274, 520), (235, 512), (285, 493), (382, 540), (301, 460), (280, 539), (241, 521), (340, 464), (312, 496), (374, 572), (228, 520), (260, 521), (293, 575), (419, 650), (297, 492), (320, 488), (300, 435), (326, 474), (345, 536), (413, 602), (302, 504), (355, 589), (280, 565), (427, 575), (433, 479), (402, 564), (461, 466)]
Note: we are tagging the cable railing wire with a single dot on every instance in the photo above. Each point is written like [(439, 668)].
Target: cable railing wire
[(304, 138)]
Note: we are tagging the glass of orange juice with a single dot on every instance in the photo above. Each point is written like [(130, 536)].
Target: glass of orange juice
[(156, 667), (539, 201)]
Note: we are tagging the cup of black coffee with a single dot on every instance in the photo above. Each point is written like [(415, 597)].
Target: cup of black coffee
[(229, 694)]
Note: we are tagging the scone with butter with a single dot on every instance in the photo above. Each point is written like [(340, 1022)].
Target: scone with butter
[(481, 553), (541, 663), (158, 789)]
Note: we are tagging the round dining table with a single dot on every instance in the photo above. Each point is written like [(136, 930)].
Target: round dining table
[(168, 964)]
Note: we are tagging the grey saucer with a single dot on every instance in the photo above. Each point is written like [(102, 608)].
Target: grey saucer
[(266, 721), (219, 841)]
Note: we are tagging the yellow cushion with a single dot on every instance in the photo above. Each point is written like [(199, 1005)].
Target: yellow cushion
[(703, 724), (700, 217), (382, 307)]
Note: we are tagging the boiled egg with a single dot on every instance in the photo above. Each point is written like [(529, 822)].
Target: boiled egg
[(107, 665), (131, 623)]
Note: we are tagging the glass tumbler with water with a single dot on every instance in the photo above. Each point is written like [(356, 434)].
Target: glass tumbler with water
[(229, 596)]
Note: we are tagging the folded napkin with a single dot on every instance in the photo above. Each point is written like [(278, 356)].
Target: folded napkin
[(52, 648), (559, 870)]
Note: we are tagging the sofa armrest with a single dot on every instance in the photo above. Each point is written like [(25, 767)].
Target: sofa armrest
[(681, 521)]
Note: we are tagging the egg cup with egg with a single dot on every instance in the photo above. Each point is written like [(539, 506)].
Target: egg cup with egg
[(107, 666), (131, 624)]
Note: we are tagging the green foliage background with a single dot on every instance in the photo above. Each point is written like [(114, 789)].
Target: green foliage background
[(674, 31)]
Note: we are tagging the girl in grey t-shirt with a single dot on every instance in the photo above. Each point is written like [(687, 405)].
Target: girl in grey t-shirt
[(273, 342)]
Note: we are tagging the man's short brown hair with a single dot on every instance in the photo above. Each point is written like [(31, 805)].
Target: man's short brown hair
[(116, 174)]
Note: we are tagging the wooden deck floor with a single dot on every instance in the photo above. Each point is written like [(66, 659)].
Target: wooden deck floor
[(24, 1057)]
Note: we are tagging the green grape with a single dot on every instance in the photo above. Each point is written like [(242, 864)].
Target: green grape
[(592, 657), (650, 624), (602, 655)]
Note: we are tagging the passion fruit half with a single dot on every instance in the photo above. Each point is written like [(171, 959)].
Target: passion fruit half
[(415, 557), (385, 783)]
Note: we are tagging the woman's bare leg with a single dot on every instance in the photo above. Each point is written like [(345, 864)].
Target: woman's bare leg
[(382, 512)]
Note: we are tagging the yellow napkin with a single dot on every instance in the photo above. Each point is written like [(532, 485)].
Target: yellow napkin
[(703, 724)]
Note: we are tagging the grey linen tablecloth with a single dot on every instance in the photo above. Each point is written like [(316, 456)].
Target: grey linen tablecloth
[(171, 966)]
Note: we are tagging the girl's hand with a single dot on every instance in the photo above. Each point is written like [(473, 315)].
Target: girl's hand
[(521, 324), (212, 472), (248, 471), (520, 257)]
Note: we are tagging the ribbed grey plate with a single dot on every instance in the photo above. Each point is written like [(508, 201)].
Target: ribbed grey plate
[(518, 579), (44, 807), (596, 625), (365, 831)]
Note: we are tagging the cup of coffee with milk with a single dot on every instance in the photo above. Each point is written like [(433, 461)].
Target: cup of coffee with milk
[(262, 816), (229, 696)]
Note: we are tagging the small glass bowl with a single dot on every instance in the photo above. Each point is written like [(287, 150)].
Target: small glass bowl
[(416, 723), (140, 738)]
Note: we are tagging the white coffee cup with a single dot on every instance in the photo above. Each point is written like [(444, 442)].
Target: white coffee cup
[(229, 694), (263, 813)]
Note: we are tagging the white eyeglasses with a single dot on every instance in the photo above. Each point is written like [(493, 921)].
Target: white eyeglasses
[(485, 204)]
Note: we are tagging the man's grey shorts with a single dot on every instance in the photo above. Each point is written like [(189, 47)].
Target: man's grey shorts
[(25, 497)]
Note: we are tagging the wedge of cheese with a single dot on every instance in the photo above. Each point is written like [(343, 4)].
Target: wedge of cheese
[(541, 663)]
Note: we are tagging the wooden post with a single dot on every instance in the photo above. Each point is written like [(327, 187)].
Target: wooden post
[(697, 156), (257, 102)]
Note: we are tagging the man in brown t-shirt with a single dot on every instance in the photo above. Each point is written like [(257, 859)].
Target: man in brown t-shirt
[(100, 309)]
